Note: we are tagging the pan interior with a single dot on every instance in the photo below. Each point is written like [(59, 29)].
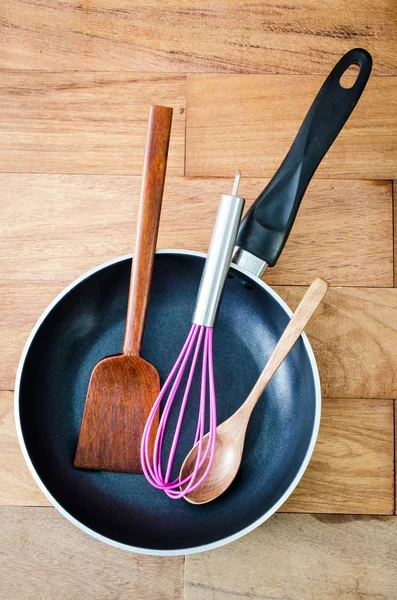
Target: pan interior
[(87, 324)]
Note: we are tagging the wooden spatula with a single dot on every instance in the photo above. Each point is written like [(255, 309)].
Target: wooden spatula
[(123, 388)]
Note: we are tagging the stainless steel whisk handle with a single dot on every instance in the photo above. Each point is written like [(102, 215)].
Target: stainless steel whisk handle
[(219, 257)]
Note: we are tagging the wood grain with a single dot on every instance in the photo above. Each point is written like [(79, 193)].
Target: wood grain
[(120, 396), (17, 318), (351, 470), (354, 338), (305, 310), (353, 334), (250, 121), (56, 227), (17, 485), (303, 557), (150, 202), (228, 35), (123, 388), (85, 122), (395, 231), (352, 467), (44, 556)]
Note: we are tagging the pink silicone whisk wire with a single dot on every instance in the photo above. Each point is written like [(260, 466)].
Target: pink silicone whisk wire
[(199, 341), (198, 336)]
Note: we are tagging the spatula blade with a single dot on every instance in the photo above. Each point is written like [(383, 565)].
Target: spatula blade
[(121, 393)]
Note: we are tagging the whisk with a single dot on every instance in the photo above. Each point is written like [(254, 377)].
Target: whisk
[(199, 338)]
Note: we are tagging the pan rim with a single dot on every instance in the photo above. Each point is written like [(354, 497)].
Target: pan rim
[(139, 549)]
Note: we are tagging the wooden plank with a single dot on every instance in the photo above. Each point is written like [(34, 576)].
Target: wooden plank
[(342, 232), (46, 236), (250, 121), (353, 334), (230, 35), (395, 230), (351, 471), (66, 225), (354, 338), (352, 468), (17, 486), (20, 307), (45, 556), (301, 557), (85, 122)]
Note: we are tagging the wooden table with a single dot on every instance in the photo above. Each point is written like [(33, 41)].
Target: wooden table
[(77, 78)]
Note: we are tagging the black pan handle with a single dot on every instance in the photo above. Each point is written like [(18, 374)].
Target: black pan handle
[(266, 226)]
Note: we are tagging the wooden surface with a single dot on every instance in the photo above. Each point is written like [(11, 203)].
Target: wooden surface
[(352, 466), (77, 78), (354, 337), (301, 557), (148, 223), (252, 118), (173, 35), (84, 122), (352, 469), (16, 483), (46, 236), (44, 556)]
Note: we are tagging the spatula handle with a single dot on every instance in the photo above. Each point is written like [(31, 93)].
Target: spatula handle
[(153, 177), (298, 322)]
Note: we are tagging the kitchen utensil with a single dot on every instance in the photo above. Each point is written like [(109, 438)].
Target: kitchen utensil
[(123, 387), (207, 306), (230, 435), (87, 320)]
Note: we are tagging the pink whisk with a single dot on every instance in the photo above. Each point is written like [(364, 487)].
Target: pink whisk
[(199, 341)]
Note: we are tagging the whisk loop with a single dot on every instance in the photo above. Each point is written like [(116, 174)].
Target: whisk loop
[(153, 469)]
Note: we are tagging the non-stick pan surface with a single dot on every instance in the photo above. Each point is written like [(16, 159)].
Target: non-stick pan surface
[(86, 323)]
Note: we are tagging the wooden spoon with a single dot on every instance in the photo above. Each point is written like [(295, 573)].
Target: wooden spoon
[(230, 434), (123, 388)]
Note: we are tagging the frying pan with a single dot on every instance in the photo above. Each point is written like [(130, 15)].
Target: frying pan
[(86, 322)]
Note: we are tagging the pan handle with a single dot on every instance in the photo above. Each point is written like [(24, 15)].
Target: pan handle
[(266, 226)]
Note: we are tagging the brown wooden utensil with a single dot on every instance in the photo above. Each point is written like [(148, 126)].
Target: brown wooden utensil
[(230, 435), (123, 388)]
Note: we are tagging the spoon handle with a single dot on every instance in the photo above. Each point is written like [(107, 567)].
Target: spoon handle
[(298, 322)]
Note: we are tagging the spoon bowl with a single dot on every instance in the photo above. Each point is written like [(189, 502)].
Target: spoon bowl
[(227, 459)]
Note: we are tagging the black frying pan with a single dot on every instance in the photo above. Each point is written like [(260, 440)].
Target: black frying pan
[(87, 320)]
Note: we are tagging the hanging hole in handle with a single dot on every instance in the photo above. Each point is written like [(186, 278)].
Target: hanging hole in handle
[(349, 77)]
